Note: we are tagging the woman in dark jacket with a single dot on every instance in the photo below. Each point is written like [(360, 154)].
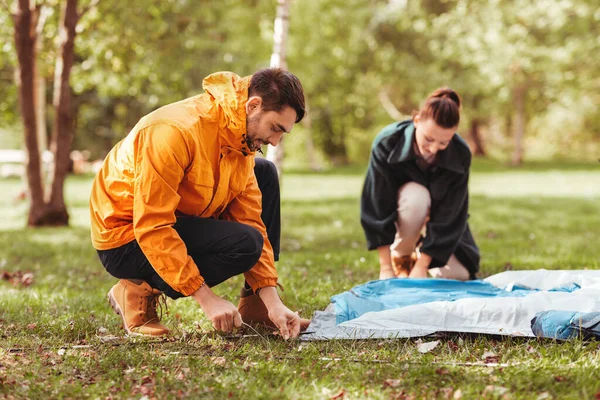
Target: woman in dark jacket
[(416, 192)]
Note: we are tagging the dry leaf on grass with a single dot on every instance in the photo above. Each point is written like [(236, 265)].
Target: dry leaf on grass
[(427, 346), (339, 395), (490, 357), (495, 390), (18, 278), (220, 361), (392, 383), (452, 346)]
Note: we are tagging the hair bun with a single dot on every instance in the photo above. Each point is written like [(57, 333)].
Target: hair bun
[(447, 93)]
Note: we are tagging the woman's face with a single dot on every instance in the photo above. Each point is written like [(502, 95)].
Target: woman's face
[(431, 137)]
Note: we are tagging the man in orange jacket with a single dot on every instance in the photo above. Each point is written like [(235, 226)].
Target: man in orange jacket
[(181, 204)]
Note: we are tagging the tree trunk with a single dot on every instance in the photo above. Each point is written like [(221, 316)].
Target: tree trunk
[(314, 163), (276, 153), (25, 41), (40, 95), (519, 125), (61, 132), (475, 135)]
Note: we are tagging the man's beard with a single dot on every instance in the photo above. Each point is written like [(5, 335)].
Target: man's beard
[(251, 124)]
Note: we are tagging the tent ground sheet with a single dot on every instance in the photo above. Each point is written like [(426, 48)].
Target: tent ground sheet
[(502, 304)]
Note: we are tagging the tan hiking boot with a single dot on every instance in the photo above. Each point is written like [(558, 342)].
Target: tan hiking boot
[(254, 312), (136, 304), (403, 265)]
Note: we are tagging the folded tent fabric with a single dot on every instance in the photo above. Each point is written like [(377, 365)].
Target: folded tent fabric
[(501, 304), (564, 325), (396, 293)]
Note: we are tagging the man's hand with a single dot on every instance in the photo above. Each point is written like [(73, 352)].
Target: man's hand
[(288, 322), (223, 315)]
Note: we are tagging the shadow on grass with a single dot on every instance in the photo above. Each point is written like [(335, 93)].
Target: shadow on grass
[(57, 252)]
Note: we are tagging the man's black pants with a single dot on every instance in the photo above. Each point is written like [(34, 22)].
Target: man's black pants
[(221, 249)]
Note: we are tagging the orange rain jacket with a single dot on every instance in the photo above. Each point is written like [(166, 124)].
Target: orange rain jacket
[(186, 158)]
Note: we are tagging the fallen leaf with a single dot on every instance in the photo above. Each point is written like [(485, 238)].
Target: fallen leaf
[(559, 378), (249, 364), (442, 371), (490, 357), (544, 396), (445, 393), (495, 390), (339, 395), (427, 346), (27, 279), (392, 383), (32, 326), (220, 361), (18, 278), (458, 394), (453, 346), (531, 350)]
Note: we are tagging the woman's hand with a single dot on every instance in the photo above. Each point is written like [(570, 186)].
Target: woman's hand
[(386, 272), (385, 263), (421, 268)]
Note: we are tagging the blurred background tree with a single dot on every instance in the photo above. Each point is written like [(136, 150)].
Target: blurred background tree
[(526, 71)]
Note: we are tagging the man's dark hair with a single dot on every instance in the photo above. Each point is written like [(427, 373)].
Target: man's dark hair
[(278, 88)]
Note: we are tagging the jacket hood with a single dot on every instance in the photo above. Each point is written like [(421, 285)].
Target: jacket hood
[(230, 93)]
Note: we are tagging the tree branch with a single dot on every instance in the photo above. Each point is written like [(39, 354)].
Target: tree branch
[(92, 4), (388, 106), (43, 17)]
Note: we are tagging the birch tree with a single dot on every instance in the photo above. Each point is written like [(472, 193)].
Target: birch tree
[(276, 154)]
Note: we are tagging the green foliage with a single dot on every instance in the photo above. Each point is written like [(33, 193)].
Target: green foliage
[(56, 333), (8, 90), (132, 57), (159, 56)]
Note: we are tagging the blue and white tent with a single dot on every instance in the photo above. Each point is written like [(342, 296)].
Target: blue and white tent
[(560, 304)]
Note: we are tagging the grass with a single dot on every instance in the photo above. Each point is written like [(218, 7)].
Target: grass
[(59, 339)]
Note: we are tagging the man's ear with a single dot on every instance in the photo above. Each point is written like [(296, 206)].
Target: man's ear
[(253, 105)]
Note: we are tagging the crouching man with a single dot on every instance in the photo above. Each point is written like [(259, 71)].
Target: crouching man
[(181, 204)]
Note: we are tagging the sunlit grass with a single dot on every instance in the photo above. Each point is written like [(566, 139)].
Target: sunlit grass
[(53, 333)]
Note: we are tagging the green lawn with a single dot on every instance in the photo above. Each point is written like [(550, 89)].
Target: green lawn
[(59, 338)]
